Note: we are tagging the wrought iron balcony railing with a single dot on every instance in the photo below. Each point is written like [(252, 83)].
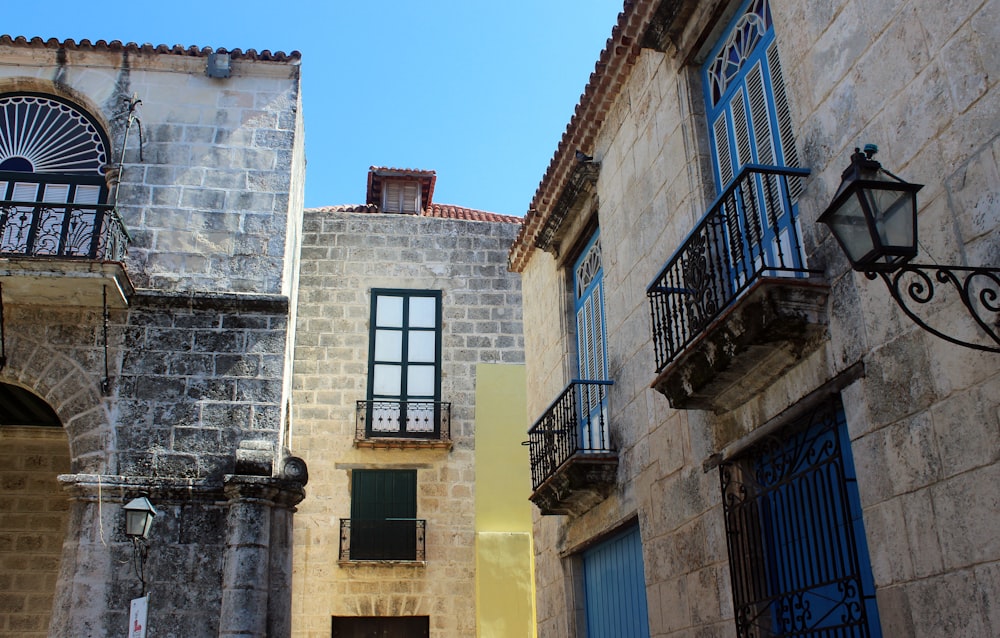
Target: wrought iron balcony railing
[(62, 230), (750, 232), (403, 419), (395, 539), (576, 422)]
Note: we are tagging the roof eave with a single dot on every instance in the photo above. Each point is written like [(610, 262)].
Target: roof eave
[(612, 67)]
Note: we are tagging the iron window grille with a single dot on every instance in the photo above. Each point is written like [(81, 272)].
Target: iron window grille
[(403, 419), (798, 560), (53, 192), (42, 215), (394, 539)]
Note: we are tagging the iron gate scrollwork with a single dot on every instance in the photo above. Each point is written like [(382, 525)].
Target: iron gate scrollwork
[(798, 560)]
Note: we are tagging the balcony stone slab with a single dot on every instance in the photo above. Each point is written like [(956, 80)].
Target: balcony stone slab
[(52, 281), (581, 482), (766, 331)]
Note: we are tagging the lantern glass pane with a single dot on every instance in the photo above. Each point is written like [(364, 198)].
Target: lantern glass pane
[(135, 522), (849, 226), (892, 211)]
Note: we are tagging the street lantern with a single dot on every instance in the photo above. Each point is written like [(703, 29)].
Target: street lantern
[(139, 513), (873, 216)]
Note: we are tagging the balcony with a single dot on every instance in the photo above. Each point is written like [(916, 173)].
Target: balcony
[(59, 252), (389, 540), (573, 464), (735, 307), (382, 424)]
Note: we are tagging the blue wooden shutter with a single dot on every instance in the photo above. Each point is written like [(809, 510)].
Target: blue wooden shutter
[(749, 123), (588, 280)]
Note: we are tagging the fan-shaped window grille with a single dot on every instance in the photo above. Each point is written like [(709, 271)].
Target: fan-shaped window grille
[(53, 195), (40, 134)]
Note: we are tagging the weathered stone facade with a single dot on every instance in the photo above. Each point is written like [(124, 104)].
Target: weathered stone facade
[(921, 413), (34, 525), (347, 252), (180, 390)]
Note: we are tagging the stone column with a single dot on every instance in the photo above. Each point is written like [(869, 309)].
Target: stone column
[(248, 563), (80, 605)]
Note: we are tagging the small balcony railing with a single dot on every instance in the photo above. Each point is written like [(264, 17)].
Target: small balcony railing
[(393, 539), (576, 424), (750, 232), (62, 231), (380, 419)]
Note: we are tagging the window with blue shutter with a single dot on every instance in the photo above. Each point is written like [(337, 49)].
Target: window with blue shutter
[(798, 558), (592, 355), (749, 123)]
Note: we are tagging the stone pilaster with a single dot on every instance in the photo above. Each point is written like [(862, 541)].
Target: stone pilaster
[(257, 505)]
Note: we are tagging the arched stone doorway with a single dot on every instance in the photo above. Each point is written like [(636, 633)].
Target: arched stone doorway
[(34, 510)]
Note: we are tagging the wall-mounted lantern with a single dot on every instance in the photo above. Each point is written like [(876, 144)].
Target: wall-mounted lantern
[(873, 217), (139, 514)]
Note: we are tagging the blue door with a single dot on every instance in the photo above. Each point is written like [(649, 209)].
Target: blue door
[(615, 587)]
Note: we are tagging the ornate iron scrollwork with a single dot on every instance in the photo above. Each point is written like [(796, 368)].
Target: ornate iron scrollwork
[(978, 289)]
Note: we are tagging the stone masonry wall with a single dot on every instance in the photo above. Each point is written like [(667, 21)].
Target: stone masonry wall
[(912, 77), (196, 381), (343, 257), (189, 382), (34, 510), (208, 204)]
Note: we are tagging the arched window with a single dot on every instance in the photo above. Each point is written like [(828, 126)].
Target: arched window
[(53, 195), (41, 134)]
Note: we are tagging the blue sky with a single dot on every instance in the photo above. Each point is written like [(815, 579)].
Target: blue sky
[(478, 91)]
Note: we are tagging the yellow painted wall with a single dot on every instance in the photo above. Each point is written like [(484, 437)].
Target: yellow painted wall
[(505, 584)]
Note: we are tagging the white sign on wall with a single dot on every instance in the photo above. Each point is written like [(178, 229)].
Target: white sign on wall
[(137, 617)]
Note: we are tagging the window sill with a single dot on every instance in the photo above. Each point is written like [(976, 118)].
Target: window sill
[(381, 563), (399, 443)]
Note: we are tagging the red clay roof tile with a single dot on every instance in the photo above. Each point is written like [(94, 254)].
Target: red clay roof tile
[(443, 211), (117, 45), (612, 68)]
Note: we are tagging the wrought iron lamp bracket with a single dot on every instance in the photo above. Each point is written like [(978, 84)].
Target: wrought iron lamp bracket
[(912, 285)]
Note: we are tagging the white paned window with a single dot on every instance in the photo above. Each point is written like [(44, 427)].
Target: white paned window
[(404, 384)]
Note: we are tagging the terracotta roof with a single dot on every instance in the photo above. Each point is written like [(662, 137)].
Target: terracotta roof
[(448, 211), (132, 47), (444, 211), (612, 68)]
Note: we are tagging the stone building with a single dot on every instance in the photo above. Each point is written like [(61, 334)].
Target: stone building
[(149, 230), (733, 431), (409, 410)]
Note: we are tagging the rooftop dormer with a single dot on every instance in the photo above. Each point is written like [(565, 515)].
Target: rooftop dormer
[(400, 190)]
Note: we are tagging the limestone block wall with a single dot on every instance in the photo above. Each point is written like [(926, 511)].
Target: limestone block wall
[(923, 419), (187, 387), (344, 256), (35, 512), (208, 204)]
